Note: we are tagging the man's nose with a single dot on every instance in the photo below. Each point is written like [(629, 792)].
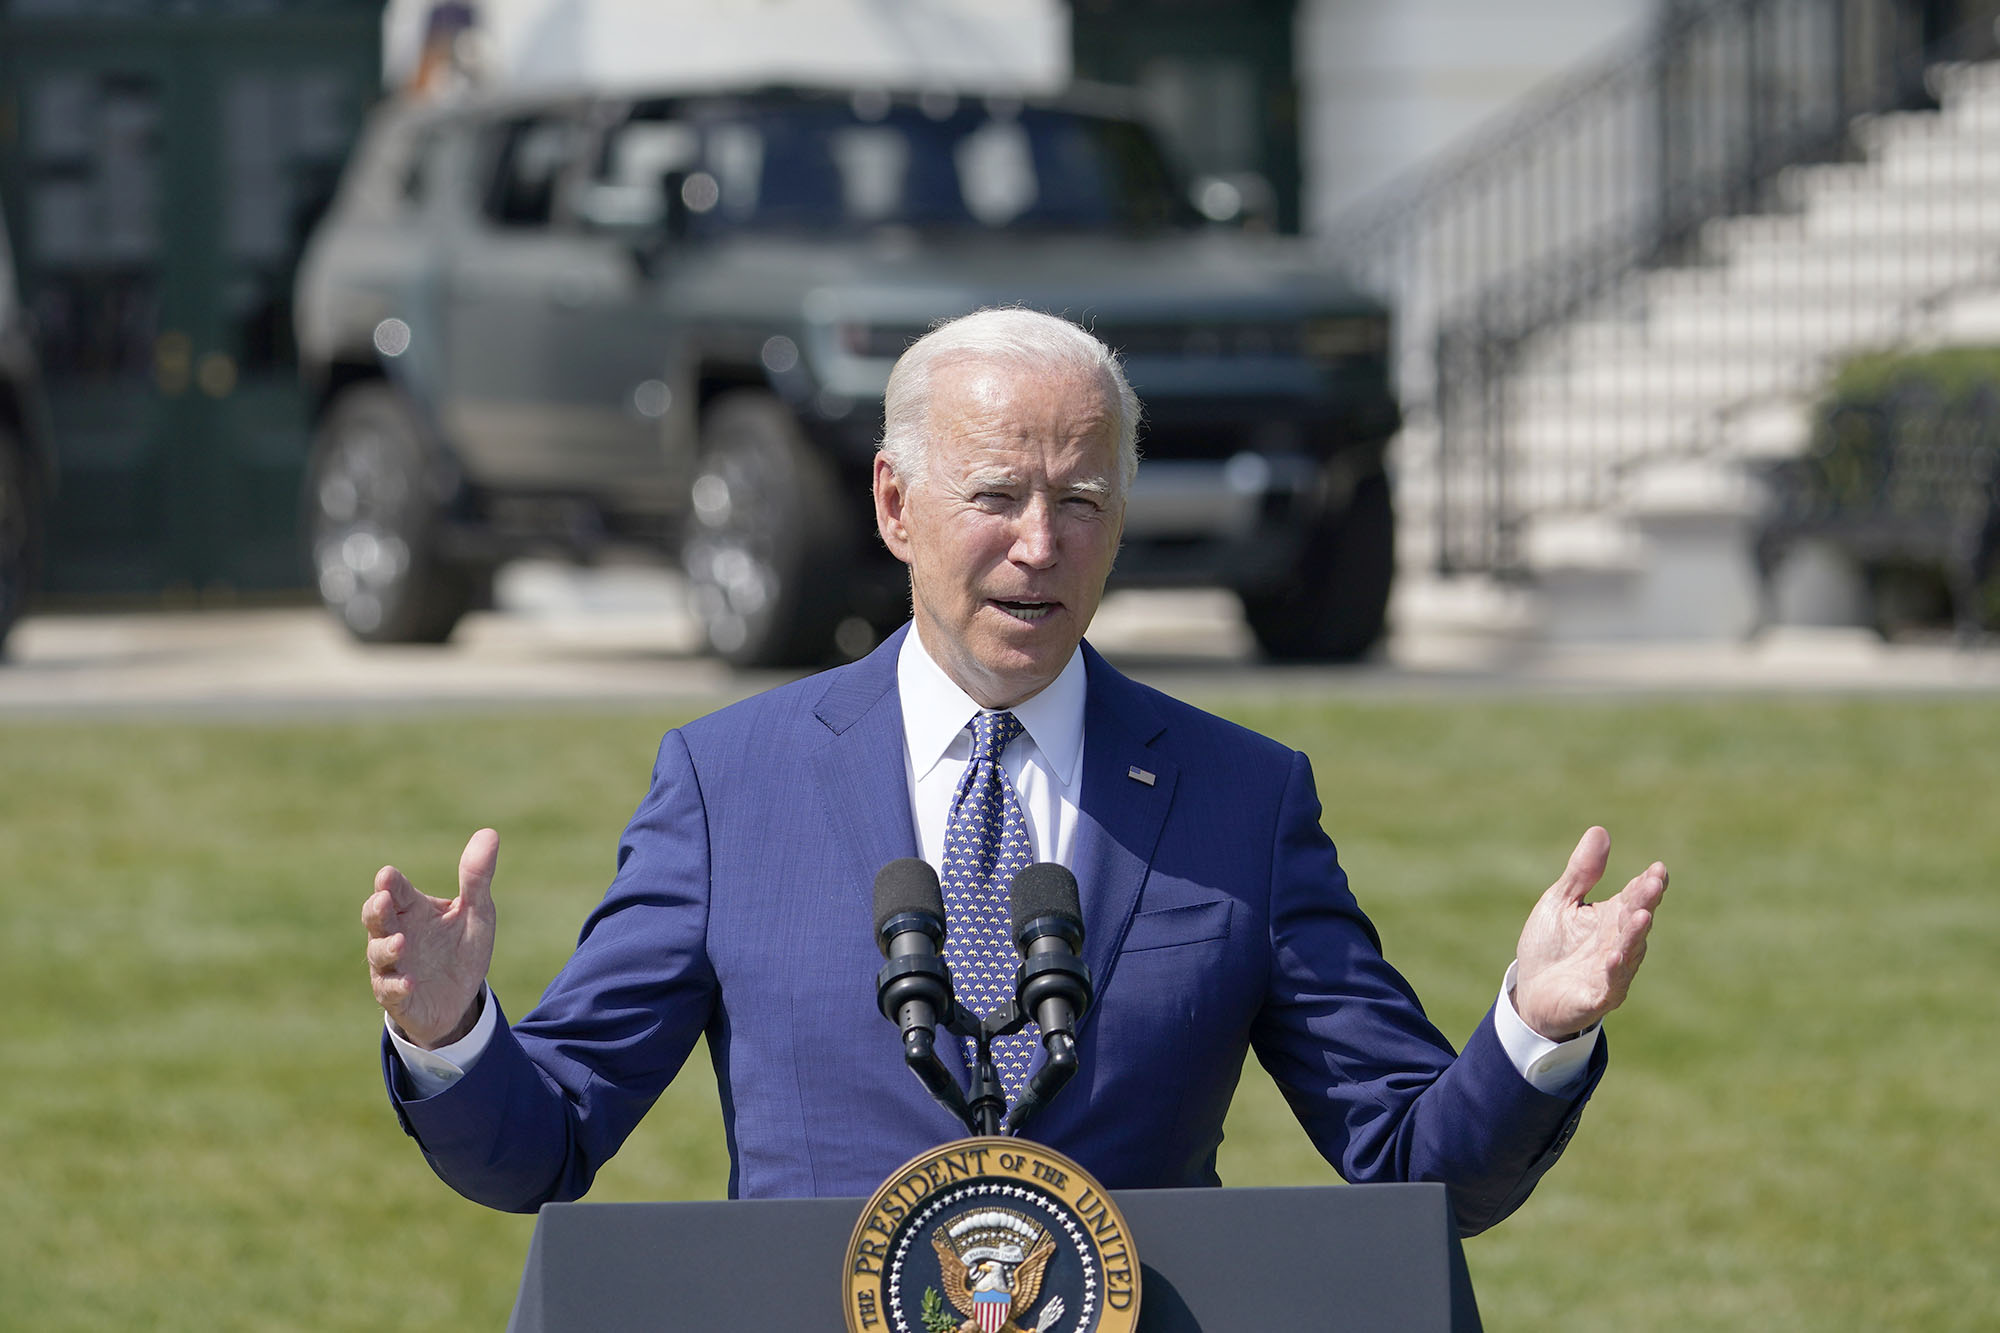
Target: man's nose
[(1035, 535)]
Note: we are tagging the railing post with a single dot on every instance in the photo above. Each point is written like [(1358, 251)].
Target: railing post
[(1838, 54), (1754, 127), (1444, 391), (1658, 78)]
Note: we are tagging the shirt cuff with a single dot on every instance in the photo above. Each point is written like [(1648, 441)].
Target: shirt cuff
[(1553, 1067), (431, 1072)]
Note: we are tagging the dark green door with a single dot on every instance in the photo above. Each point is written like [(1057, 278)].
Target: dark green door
[(161, 174)]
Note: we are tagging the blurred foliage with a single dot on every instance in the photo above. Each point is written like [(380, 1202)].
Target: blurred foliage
[(1951, 372), (1903, 475), (1795, 1132), (1906, 432)]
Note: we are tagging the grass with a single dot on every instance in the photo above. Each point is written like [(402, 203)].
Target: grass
[(1797, 1131)]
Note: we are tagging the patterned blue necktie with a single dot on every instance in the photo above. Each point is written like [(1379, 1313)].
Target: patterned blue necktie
[(985, 845)]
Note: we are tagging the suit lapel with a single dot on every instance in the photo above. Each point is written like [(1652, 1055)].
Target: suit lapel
[(859, 772), (861, 780), (1120, 815)]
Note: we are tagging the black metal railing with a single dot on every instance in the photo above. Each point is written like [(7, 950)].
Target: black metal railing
[(1492, 257)]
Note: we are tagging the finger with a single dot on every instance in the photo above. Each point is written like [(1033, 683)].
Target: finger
[(393, 882), (1645, 889), (1586, 865), (476, 866), (392, 991), (385, 954), (378, 913)]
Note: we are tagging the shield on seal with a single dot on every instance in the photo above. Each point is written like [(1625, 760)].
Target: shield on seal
[(991, 1308)]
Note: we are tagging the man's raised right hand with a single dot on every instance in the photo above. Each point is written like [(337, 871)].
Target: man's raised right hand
[(427, 958)]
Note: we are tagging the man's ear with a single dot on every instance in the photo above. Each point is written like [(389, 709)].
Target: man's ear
[(891, 503)]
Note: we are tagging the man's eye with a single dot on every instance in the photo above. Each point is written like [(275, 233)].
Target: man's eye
[(1088, 503)]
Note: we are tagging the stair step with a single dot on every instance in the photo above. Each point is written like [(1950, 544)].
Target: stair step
[(1773, 424), (1582, 436), (1551, 542), (1729, 334), (1841, 264), (1891, 216), (1942, 162), (1648, 392), (1959, 79), (1799, 320), (1799, 186), (1970, 318), (1722, 237)]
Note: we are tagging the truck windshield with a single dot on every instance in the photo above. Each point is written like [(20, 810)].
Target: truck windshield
[(825, 164)]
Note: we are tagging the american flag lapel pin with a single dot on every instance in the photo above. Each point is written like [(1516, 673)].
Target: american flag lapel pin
[(1138, 774)]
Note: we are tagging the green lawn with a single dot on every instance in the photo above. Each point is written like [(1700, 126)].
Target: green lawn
[(1798, 1130)]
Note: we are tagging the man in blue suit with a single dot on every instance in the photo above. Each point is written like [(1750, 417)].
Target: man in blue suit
[(1218, 920)]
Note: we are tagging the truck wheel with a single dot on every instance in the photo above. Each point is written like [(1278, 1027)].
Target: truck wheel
[(372, 523), (1335, 609), (769, 542), (20, 533)]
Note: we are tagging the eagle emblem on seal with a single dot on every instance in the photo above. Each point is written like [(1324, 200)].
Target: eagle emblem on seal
[(991, 1263)]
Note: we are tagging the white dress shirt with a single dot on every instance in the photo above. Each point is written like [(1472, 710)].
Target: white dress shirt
[(1045, 764)]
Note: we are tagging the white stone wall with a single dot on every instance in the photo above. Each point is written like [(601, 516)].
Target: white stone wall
[(1387, 84)]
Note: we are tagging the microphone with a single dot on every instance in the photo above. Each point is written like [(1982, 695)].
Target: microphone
[(913, 990), (1053, 984)]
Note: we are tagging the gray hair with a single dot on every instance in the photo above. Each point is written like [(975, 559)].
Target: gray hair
[(1008, 336)]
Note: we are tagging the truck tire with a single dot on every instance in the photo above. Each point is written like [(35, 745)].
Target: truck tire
[(770, 537), (20, 532), (373, 520), (1335, 610)]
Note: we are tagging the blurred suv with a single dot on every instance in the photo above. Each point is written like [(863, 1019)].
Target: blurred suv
[(581, 324), (27, 459)]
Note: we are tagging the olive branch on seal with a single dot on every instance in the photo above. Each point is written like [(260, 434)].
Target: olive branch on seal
[(935, 1317)]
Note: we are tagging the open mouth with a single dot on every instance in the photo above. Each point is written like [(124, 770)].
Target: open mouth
[(1027, 611)]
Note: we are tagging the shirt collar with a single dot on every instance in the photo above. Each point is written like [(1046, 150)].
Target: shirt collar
[(935, 711)]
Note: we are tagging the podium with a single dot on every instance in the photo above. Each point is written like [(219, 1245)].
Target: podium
[(1353, 1258)]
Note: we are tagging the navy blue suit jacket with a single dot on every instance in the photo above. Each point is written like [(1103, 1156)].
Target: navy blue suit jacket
[(1218, 922)]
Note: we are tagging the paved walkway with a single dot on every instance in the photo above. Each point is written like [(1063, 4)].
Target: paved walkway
[(621, 636)]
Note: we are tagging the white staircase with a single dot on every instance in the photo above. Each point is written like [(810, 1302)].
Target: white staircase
[(1632, 429)]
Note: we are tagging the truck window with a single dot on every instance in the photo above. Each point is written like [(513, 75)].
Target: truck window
[(528, 160), (822, 165)]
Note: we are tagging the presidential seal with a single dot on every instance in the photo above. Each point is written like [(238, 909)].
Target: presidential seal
[(991, 1235)]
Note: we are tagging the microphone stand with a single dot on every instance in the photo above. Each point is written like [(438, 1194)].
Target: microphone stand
[(980, 1108), (920, 1054), (987, 1101), (983, 1107), (1056, 1071)]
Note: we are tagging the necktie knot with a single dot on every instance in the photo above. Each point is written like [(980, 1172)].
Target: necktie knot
[(992, 733)]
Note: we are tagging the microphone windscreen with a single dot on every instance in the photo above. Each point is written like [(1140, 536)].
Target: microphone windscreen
[(906, 885), (1045, 889)]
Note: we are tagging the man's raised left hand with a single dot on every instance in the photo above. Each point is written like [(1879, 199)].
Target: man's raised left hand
[(1576, 959)]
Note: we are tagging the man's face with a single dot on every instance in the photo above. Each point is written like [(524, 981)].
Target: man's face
[(1011, 533)]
